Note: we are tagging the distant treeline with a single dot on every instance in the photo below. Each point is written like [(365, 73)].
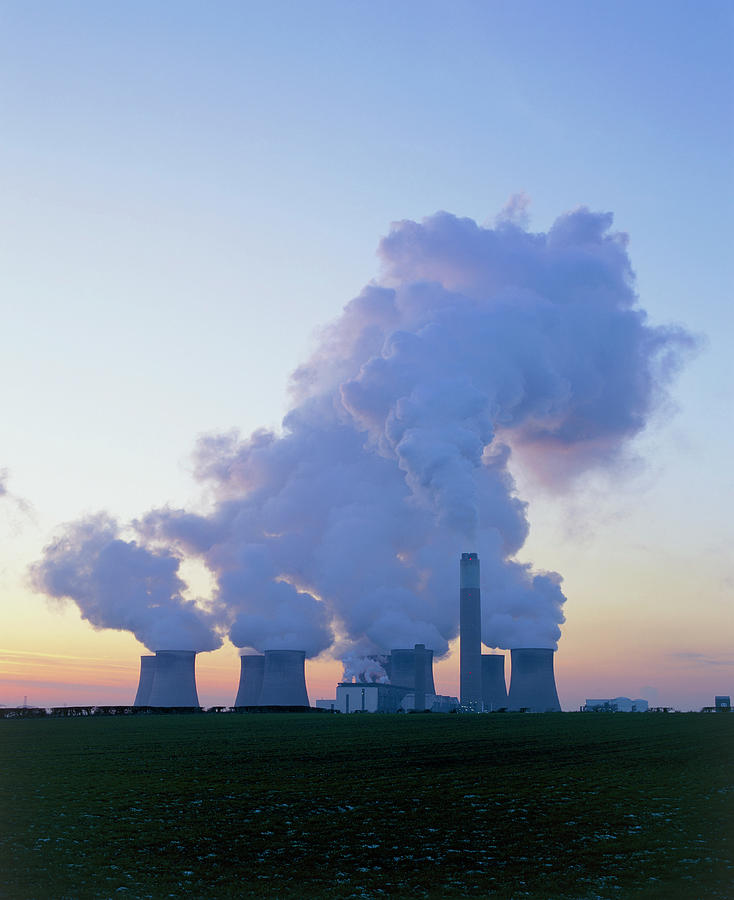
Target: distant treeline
[(72, 712)]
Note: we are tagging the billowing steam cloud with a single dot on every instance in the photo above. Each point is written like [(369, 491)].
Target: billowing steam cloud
[(344, 530), (364, 668), (119, 584)]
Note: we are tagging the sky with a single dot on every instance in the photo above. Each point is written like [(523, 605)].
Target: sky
[(190, 193)]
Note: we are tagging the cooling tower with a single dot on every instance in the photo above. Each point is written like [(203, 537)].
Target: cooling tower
[(174, 682), (402, 668), (494, 689), (251, 680), (470, 632), (145, 683), (284, 678), (533, 684)]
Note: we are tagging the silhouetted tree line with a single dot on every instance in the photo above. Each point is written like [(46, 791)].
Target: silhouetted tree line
[(73, 712)]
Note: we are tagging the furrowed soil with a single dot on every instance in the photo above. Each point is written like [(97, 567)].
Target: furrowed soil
[(367, 806)]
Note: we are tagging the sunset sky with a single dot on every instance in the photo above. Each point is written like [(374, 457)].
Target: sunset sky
[(191, 191)]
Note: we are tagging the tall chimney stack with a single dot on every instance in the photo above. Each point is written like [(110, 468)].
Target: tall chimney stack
[(470, 633)]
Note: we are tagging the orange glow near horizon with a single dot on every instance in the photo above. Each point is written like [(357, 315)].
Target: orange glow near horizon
[(615, 643)]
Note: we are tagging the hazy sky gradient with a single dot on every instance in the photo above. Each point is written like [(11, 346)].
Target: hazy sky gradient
[(190, 191)]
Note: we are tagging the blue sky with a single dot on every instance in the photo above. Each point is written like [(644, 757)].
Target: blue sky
[(190, 190)]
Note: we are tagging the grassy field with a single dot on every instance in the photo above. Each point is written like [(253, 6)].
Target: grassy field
[(438, 806)]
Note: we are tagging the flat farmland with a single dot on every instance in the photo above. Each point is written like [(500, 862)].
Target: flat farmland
[(325, 806)]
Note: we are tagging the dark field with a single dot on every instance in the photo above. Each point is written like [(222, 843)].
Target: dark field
[(280, 806)]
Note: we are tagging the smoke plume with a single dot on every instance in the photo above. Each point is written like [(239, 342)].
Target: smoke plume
[(344, 529)]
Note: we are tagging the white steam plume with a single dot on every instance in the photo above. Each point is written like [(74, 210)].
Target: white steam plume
[(122, 585), (363, 668), (394, 457)]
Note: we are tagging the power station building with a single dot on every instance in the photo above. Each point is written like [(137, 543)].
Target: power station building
[(276, 678), (363, 696), (411, 687), (617, 704)]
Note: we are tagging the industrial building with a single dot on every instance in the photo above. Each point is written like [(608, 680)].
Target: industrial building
[(432, 703), (411, 687), (276, 678), (374, 697), (326, 704), (369, 697), (617, 704)]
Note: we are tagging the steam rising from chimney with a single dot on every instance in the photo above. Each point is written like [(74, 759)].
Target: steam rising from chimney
[(474, 344)]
